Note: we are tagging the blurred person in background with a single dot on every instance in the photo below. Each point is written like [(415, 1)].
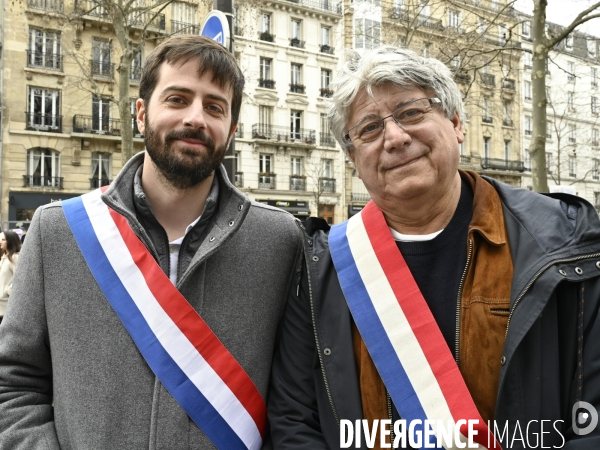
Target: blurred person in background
[(10, 245)]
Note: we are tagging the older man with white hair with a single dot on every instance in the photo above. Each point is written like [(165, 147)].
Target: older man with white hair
[(451, 300)]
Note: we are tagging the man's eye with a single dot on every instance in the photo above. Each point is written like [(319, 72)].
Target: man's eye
[(409, 114), (177, 100), (215, 109), (369, 128)]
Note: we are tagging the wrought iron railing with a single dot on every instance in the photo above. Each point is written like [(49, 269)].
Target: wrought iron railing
[(488, 79), (267, 180), (49, 61), (42, 181), (326, 140), (297, 88), (46, 5), (100, 125), (135, 74), (326, 92), (297, 183), (502, 164), (508, 84), (102, 69), (91, 8), (184, 28), (239, 131), (326, 49), (148, 19), (485, 119), (283, 134), (96, 183), (268, 84), (324, 5), (266, 36), (43, 122), (507, 122), (295, 42), (327, 185)]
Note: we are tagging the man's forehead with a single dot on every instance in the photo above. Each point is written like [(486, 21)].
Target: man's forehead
[(176, 66), (386, 95)]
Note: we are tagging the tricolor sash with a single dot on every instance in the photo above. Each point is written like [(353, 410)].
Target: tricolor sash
[(180, 348), (398, 328)]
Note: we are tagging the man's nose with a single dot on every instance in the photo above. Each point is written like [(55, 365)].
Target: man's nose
[(195, 115), (394, 135)]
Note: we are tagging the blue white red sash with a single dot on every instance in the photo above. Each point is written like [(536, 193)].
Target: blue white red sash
[(180, 348), (398, 328)]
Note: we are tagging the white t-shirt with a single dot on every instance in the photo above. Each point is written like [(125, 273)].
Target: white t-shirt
[(413, 237), (174, 247)]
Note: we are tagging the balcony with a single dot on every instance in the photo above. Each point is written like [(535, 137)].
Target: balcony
[(489, 120), (239, 179), (283, 134), (528, 132), (502, 164), (359, 191), (297, 183), (427, 22), (327, 185), (101, 126), (148, 19), (326, 140), (488, 79), (266, 36), (90, 8), (239, 131), (103, 69), (43, 122), (42, 181), (508, 84), (47, 61), (595, 175), (295, 42), (326, 49), (96, 183), (184, 28), (322, 5), (267, 180), (507, 123), (297, 88), (46, 5), (326, 92), (267, 84), (572, 140)]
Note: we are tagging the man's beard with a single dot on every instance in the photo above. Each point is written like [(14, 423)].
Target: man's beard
[(180, 173)]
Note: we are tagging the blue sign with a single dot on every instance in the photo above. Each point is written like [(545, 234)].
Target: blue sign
[(216, 27)]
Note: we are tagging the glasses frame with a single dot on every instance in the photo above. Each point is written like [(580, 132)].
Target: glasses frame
[(432, 101)]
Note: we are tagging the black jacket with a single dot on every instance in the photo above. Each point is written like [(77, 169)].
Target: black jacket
[(555, 244)]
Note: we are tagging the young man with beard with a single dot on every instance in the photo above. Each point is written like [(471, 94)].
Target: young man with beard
[(144, 315)]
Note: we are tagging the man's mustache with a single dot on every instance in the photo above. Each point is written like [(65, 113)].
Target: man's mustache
[(198, 135)]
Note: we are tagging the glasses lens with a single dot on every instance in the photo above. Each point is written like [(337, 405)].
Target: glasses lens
[(412, 113), (369, 131)]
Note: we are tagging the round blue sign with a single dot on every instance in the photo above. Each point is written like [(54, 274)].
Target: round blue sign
[(216, 27)]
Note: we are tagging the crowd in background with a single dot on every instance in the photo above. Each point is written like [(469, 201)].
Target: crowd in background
[(10, 245)]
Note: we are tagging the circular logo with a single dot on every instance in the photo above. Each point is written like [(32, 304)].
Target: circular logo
[(582, 412)]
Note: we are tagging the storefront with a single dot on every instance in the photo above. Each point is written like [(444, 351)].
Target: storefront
[(354, 209), (22, 205), (298, 209)]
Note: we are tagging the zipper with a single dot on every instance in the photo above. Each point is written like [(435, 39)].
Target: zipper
[(389, 408), (459, 302), (314, 322), (537, 275)]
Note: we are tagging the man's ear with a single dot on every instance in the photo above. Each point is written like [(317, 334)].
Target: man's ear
[(352, 157), (458, 128), (140, 115), (231, 135)]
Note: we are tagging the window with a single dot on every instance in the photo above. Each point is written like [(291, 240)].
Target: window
[(597, 201), (327, 168), (44, 49), (526, 160), (367, 33), (101, 65), (594, 76), (569, 42), (184, 18), (325, 36), (594, 137), (507, 150), (265, 114), (527, 126), (43, 168), (572, 166), (571, 100), (595, 169), (507, 114), (486, 147), (549, 126), (570, 71), (100, 114), (527, 90), (295, 124), (571, 133), (591, 46), (426, 50), (296, 79), (325, 80), (264, 162), (594, 105), (526, 30), (43, 112), (502, 34), (548, 162), (455, 62), (527, 60), (487, 116), (454, 18), (425, 10), (296, 165), (265, 23), (136, 67), (296, 29), (101, 170), (481, 26), (495, 5), (265, 69)]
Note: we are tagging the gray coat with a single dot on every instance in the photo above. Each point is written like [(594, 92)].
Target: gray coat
[(70, 374)]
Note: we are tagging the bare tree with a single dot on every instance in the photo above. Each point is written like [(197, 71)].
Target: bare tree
[(543, 43)]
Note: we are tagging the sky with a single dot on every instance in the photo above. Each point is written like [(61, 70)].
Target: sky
[(563, 12)]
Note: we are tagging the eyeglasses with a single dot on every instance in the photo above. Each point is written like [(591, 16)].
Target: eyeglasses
[(406, 116)]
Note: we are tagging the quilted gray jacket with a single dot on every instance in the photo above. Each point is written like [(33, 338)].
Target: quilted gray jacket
[(71, 376)]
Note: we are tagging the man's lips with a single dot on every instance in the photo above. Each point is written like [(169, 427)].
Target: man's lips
[(403, 164), (192, 142)]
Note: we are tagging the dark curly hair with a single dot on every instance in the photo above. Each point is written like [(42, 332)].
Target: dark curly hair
[(13, 243)]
